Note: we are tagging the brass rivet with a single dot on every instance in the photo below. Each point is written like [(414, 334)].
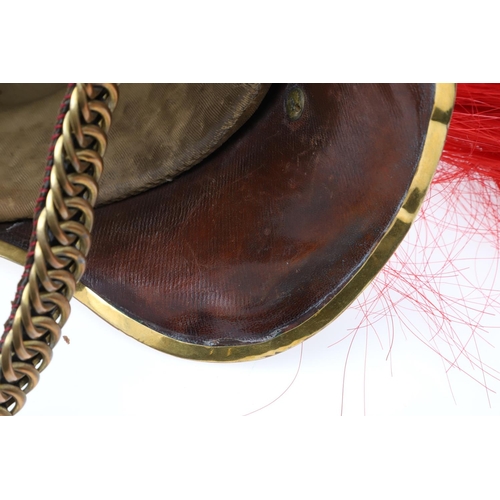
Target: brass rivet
[(294, 103)]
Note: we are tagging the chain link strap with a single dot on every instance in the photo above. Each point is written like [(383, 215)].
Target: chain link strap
[(63, 241)]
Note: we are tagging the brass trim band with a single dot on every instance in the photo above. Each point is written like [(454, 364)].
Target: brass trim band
[(434, 143)]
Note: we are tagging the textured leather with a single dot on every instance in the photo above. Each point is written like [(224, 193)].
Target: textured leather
[(261, 234), (159, 131)]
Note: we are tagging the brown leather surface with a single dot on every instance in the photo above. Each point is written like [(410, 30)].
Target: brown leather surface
[(265, 231), (159, 131)]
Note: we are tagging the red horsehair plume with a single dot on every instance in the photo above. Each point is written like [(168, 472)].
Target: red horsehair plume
[(431, 278)]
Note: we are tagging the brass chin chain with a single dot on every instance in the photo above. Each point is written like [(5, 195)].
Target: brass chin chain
[(62, 243)]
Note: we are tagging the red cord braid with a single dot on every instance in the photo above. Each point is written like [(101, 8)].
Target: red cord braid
[(40, 204)]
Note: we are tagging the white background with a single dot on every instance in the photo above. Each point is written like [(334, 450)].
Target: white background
[(294, 448)]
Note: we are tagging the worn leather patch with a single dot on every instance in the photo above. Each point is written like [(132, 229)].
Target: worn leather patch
[(159, 131)]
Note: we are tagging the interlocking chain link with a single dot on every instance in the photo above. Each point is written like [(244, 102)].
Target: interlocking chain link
[(63, 241)]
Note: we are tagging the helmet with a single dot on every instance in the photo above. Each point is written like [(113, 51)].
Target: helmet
[(233, 221)]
